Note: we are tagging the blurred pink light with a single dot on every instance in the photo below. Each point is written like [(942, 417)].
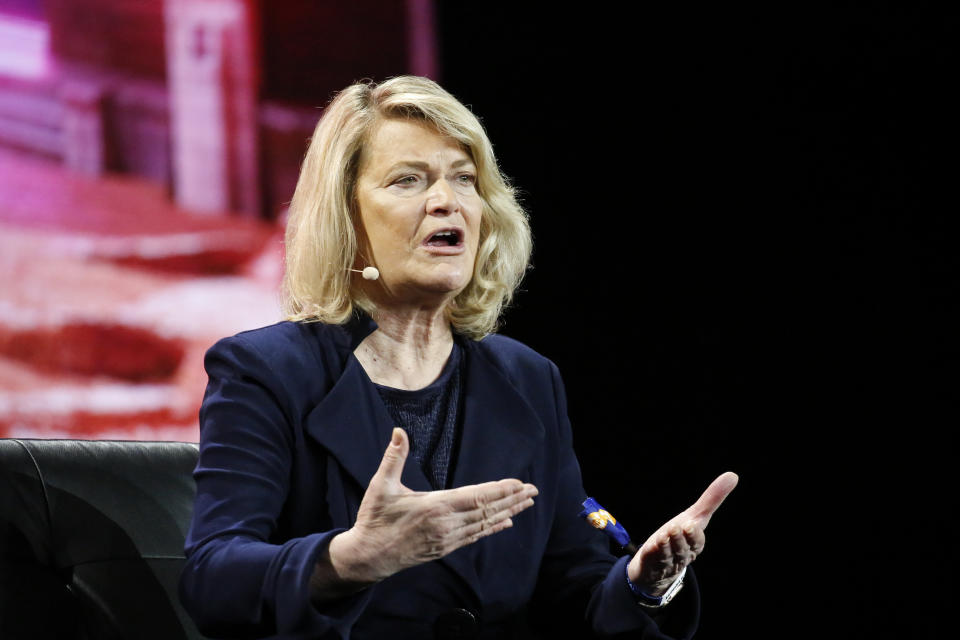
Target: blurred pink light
[(24, 46)]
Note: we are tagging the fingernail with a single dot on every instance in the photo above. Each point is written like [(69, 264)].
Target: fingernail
[(397, 438)]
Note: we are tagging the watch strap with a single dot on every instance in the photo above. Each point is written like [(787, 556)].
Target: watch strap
[(655, 602)]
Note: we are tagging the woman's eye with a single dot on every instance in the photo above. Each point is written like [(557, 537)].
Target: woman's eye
[(406, 181), (467, 179)]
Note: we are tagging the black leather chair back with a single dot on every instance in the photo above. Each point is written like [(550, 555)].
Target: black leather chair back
[(91, 539)]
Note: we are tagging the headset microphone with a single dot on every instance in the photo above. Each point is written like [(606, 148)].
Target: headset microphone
[(369, 273)]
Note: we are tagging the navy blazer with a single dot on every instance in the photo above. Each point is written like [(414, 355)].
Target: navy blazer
[(292, 430)]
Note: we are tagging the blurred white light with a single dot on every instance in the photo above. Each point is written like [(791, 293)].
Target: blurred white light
[(24, 46)]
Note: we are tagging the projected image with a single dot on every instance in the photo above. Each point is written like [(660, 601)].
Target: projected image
[(147, 154)]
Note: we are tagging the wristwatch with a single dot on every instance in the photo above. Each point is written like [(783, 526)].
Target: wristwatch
[(653, 602)]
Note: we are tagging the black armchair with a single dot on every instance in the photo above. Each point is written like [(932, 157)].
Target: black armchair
[(91, 539)]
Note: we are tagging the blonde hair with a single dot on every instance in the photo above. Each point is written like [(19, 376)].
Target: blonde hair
[(321, 236)]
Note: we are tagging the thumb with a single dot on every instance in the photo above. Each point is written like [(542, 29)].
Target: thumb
[(711, 499), (391, 466)]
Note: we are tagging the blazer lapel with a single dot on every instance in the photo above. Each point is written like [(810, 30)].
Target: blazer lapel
[(351, 422), (500, 436), (501, 432)]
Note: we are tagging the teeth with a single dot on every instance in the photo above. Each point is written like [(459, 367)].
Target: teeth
[(449, 237)]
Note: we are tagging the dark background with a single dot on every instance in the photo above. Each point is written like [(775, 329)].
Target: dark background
[(746, 259)]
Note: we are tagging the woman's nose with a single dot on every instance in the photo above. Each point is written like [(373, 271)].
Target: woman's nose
[(441, 198)]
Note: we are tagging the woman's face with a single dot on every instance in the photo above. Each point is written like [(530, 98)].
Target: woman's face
[(419, 210)]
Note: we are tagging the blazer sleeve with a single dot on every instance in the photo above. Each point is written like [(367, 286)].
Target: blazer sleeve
[(237, 581), (578, 573)]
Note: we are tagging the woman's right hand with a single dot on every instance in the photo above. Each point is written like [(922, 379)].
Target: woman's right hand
[(398, 528)]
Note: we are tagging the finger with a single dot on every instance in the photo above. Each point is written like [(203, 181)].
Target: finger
[(680, 549), (474, 532), (508, 506), (391, 466), (479, 496), (487, 531), (476, 521), (703, 509), (487, 526), (696, 538), (658, 550)]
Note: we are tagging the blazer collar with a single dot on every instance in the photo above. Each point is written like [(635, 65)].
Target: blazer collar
[(499, 434), (358, 328)]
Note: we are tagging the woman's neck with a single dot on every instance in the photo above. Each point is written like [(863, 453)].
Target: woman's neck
[(408, 349)]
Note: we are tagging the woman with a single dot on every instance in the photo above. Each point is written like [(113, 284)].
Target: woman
[(317, 516)]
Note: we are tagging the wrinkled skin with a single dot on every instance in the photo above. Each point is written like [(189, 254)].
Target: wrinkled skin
[(679, 541)]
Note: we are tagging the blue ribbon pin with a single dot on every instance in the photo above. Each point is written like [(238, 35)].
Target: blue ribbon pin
[(599, 518)]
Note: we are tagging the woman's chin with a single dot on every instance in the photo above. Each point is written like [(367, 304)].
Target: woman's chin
[(444, 289), (436, 291), (445, 279)]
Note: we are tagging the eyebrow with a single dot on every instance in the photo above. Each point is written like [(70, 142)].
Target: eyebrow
[(424, 166)]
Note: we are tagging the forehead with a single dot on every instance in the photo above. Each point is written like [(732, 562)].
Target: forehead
[(398, 140)]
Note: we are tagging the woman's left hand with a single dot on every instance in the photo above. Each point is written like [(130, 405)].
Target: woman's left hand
[(679, 541)]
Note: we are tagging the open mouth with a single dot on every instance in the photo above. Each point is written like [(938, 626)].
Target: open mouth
[(445, 238)]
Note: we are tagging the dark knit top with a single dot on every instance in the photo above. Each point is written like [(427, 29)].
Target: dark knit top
[(430, 416)]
